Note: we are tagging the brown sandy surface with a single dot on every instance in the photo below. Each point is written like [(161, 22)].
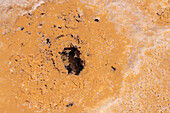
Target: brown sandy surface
[(124, 46)]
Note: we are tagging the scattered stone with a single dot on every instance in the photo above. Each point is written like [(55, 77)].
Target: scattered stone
[(69, 105), (96, 20), (22, 28), (114, 69)]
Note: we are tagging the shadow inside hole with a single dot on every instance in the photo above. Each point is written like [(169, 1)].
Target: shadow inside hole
[(72, 61)]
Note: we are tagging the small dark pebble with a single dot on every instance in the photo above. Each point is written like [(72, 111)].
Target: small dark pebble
[(42, 13), (77, 20), (78, 15), (114, 69), (96, 20), (54, 26), (22, 44), (71, 35), (22, 28), (16, 60), (28, 32), (69, 105), (59, 36), (29, 14), (39, 32), (48, 41), (158, 14), (59, 27)]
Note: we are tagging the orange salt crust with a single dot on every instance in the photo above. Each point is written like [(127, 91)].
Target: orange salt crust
[(35, 78)]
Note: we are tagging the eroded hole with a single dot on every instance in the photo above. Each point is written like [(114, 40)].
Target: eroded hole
[(72, 61)]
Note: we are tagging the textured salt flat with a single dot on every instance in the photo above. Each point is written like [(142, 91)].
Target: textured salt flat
[(131, 36)]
